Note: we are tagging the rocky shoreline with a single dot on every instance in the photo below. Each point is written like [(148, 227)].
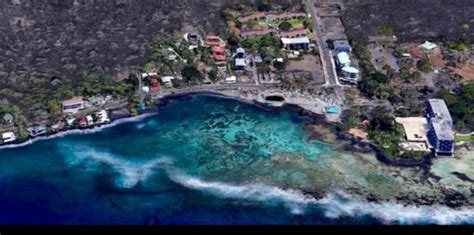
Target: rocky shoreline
[(447, 197)]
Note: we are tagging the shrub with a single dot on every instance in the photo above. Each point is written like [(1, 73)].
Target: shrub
[(285, 26)]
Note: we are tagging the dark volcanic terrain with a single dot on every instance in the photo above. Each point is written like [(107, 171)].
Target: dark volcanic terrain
[(412, 20)]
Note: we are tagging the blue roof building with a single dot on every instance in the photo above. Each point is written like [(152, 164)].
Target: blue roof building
[(440, 134), (342, 46)]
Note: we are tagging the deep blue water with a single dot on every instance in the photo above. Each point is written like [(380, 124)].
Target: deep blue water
[(200, 160)]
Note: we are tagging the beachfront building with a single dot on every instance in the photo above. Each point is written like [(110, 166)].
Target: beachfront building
[(416, 130), (102, 117), (167, 81), (8, 137), (440, 134), (231, 80), (301, 43), (73, 105)]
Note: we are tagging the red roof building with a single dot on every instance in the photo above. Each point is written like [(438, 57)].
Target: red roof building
[(218, 49), (253, 16), (154, 81), (155, 89), (213, 40)]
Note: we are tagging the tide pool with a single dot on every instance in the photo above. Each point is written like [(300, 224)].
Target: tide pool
[(200, 160)]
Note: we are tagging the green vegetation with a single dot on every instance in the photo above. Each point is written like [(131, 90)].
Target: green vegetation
[(308, 23), (387, 30), (461, 105), (264, 5), (385, 133), (464, 138), (54, 108), (466, 27), (285, 26), (456, 46), (148, 101), (191, 74), (94, 83), (424, 65), (212, 74), (20, 121)]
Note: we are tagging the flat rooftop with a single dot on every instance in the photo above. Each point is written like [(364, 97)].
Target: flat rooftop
[(416, 128), (441, 109)]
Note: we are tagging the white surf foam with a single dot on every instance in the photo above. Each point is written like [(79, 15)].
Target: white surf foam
[(130, 172), (334, 205), (77, 131)]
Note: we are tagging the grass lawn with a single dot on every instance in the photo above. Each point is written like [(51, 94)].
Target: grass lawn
[(469, 138), (296, 22)]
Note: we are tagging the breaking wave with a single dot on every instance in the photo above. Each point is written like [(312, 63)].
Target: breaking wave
[(335, 205), (130, 172)]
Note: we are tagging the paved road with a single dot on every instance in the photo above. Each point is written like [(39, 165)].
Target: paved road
[(326, 54)]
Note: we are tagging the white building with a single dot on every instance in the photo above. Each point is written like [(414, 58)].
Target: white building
[(102, 117), (8, 137), (73, 105), (296, 43), (167, 80), (232, 79), (350, 73), (240, 64), (343, 59), (428, 46)]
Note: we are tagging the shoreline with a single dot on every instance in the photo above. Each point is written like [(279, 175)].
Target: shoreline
[(349, 145), (447, 198)]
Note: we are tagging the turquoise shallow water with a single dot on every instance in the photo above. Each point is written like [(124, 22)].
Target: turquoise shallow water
[(200, 160)]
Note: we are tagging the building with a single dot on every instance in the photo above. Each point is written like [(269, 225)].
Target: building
[(257, 60), (193, 38), (8, 137), (350, 73), (240, 64), (8, 119), (154, 86), (301, 43), (219, 54), (416, 130), (240, 53), (440, 134), (294, 33), (97, 100), (342, 46), (73, 105), (254, 16), (231, 80), (343, 60), (167, 80), (256, 32), (428, 46), (102, 117), (37, 130), (214, 41)]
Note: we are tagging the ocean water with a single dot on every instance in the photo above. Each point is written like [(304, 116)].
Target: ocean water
[(200, 160)]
